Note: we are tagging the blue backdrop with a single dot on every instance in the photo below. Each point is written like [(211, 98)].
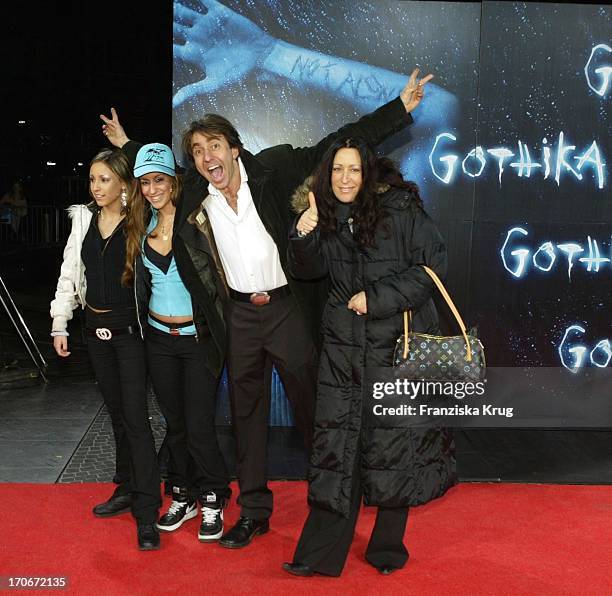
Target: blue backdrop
[(510, 146)]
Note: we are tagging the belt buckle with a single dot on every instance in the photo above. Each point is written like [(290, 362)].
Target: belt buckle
[(103, 333), (174, 331), (259, 298)]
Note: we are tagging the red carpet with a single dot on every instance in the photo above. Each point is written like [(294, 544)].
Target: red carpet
[(479, 539)]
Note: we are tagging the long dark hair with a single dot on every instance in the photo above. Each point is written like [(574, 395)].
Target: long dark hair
[(136, 222), (377, 174)]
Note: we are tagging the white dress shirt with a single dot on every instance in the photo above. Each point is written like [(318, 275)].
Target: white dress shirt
[(248, 254)]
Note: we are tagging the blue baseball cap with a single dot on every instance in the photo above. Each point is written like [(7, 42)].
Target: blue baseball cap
[(154, 157)]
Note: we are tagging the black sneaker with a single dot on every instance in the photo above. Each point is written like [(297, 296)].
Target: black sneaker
[(181, 509), (211, 527)]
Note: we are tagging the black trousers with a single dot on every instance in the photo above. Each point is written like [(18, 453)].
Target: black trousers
[(186, 391), (273, 332), (120, 369), (326, 537)]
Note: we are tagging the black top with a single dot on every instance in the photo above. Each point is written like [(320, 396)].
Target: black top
[(104, 260), (344, 215), (159, 260)]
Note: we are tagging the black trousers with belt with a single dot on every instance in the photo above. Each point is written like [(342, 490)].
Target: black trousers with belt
[(326, 537), (119, 365), (273, 332), (186, 391)]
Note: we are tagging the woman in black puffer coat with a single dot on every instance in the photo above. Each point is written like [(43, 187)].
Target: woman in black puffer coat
[(368, 232)]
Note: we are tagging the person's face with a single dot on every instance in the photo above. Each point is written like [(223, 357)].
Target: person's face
[(216, 161), (346, 175), (105, 186), (156, 188)]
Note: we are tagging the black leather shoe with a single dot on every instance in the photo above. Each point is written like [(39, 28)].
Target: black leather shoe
[(386, 569), (114, 506), (243, 532), (148, 537), (298, 569)]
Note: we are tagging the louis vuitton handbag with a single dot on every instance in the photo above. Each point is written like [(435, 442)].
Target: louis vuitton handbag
[(439, 358)]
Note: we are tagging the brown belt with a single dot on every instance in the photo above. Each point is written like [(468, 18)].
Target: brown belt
[(260, 298)]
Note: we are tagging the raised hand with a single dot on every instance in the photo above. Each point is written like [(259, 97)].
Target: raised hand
[(310, 218), (113, 130), (412, 94), (227, 45)]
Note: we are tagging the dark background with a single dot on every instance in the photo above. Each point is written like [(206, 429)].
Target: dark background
[(516, 71), (533, 86), (63, 63)]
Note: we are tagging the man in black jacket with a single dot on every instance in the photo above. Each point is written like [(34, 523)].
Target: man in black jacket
[(230, 236)]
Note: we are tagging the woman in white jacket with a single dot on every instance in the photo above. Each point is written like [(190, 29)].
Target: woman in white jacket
[(91, 277)]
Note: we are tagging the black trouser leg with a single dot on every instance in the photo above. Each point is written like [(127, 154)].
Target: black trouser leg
[(292, 351), (256, 333), (208, 471), (104, 363), (145, 473), (126, 364), (326, 537), (250, 406), (386, 546), (166, 372), (186, 392)]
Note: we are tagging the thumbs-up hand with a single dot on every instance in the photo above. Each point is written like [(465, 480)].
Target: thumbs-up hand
[(309, 219)]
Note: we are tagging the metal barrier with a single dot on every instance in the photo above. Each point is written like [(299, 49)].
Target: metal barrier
[(42, 224)]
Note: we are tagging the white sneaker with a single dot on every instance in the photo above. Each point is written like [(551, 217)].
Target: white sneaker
[(178, 512), (211, 527)]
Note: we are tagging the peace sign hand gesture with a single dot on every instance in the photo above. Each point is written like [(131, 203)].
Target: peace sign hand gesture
[(113, 130), (412, 94)]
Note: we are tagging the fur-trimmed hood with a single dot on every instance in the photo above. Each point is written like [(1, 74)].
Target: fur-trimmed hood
[(75, 210), (299, 199)]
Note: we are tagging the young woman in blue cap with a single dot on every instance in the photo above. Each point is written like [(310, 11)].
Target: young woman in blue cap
[(176, 341), (92, 277)]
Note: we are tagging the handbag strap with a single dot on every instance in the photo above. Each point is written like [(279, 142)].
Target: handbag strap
[(453, 308), (407, 313)]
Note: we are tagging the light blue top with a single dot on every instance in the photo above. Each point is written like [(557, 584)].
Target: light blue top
[(169, 296)]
